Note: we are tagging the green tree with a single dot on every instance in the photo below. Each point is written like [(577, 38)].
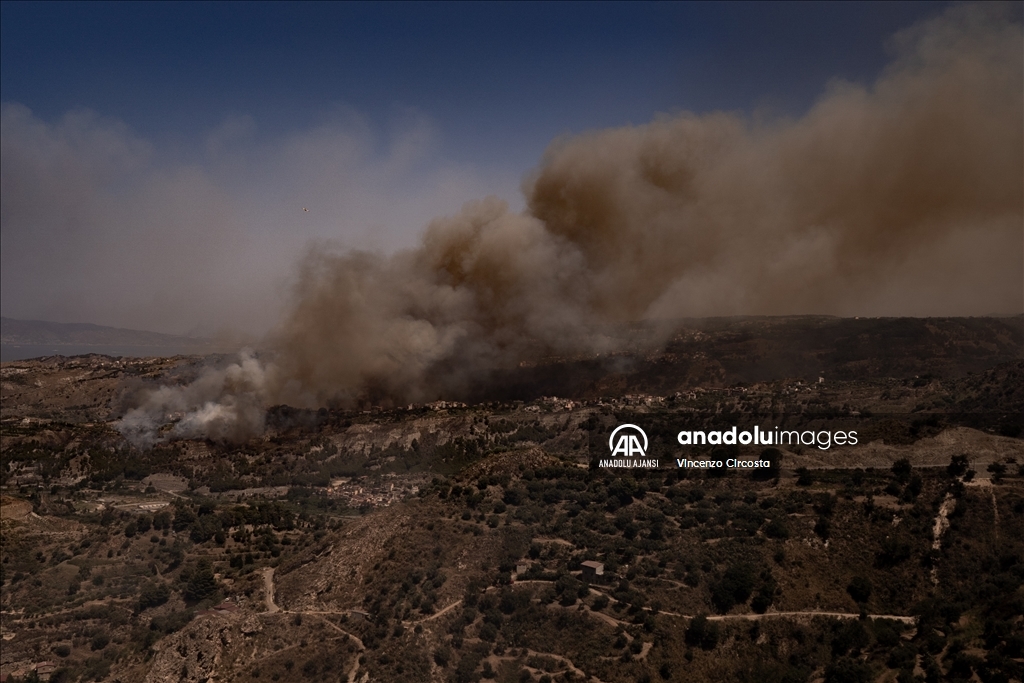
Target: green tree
[(153, 595), (200, 583)]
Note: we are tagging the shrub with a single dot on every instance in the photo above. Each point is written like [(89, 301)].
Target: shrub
[(735, 586), (774, 456), (702, 633), (172, 622), (901, 469), (153, 595), (199, 583), (958, 465), (997, 469), (846, 670), (823, 528), (777, 528), (99, 641), (895, 549), (859, 589), (442, 656), (760, 603)]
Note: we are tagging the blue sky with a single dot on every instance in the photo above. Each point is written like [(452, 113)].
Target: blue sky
[(158, 156), (499, 80)]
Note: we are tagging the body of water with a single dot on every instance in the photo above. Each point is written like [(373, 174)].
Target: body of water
[(9, 352)]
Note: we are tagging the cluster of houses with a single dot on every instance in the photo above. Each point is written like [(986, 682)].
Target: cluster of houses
[(589, 570), (224, 609), (42, 670), (361, 493)]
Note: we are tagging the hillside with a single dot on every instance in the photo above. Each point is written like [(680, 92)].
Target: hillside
[(722, 352), (449, 541), (22, 339)]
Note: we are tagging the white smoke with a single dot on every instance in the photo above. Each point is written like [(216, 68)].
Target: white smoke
[(223, 404)]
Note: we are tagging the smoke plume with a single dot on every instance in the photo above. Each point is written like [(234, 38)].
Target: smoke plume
[(223, 404), (902, 198)]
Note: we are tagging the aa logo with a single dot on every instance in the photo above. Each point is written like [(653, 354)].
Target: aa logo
[(625, 441)]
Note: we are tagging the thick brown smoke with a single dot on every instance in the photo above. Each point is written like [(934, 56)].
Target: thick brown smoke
[(904, 198), (891, 200)]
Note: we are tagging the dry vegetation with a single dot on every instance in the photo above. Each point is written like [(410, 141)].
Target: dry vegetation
[(446, 542)]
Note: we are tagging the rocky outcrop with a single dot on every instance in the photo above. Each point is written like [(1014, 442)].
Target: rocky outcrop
[(193, 654)]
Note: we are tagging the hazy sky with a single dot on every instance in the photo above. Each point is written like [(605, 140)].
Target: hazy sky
[(157, 158)]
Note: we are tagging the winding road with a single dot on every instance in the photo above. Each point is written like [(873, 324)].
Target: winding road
[(272, 608)]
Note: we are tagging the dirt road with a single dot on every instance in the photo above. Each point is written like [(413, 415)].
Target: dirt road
[(268, 590)]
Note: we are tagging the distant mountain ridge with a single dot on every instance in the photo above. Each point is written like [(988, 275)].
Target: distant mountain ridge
[(40, 332)]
